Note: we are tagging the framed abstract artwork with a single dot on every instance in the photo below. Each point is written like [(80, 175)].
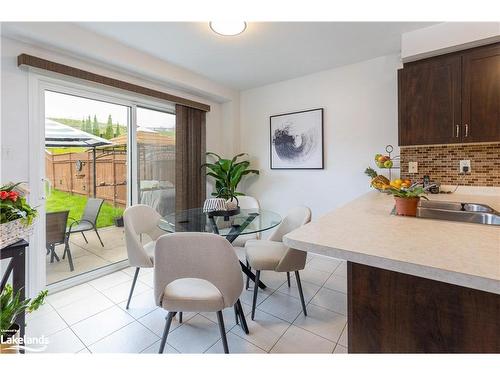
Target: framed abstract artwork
[(297, 140)]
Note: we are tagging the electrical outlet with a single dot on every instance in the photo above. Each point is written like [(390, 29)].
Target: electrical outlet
[(412, 167), (464, 166)]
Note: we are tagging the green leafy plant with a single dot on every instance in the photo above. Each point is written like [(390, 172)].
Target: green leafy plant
[(13, 206), (411, 192), (11, 306), (227, 174)]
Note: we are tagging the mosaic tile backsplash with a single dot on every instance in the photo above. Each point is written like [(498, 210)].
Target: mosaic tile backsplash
[(441, 163)]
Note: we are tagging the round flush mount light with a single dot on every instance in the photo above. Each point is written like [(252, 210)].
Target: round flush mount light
[(228, 28)]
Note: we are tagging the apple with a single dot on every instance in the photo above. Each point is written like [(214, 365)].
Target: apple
[(388, 164), (377, 156), (382, 159)]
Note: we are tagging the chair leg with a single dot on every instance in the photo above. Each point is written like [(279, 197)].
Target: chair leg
[(67, 250), (243, 320), (96, 232), (168, 322), (136, 273), (222, 330), (236, 314), (247, 285), (288, 278), (299, 285), (180, 317), (85, 238), (53, 254), (255, 290)]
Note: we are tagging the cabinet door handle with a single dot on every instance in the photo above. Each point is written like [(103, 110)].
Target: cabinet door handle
[(466, 130), (458, 130)]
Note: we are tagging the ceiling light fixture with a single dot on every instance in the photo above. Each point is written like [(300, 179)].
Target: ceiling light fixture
[(228, 28)]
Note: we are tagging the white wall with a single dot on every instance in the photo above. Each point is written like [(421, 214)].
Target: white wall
[(360, 103), (447, 37), (15, 112)]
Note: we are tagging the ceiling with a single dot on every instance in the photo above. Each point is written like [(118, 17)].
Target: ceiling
[(266, 52)]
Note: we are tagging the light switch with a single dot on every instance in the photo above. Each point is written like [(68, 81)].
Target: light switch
[(412, 167)]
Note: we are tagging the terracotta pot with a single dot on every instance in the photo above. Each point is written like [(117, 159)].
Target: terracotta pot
[(9, 340), (406, 206)]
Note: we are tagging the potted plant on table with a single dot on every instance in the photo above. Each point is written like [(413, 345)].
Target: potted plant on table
[(16, 215), (228, 174), (10, 308)]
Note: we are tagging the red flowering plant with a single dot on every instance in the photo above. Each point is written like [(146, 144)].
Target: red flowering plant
[(13, 205)]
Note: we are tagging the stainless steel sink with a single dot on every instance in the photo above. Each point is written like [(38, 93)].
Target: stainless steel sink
[(458, 211)]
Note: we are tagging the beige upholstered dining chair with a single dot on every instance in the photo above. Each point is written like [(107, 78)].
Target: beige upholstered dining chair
[(273, 255), (197, 272), (247, 203), (139, 220)]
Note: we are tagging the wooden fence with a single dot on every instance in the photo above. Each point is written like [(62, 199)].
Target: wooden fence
[(73, 172)]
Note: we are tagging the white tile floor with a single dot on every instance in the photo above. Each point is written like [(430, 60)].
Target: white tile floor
[(92, 317)]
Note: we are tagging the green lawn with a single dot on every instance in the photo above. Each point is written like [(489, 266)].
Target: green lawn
[(62, 201)]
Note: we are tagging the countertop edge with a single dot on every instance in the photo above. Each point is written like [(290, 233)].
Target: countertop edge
[(450, 277)]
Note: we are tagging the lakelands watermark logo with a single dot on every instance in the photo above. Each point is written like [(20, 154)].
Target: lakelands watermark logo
[(28, 344)]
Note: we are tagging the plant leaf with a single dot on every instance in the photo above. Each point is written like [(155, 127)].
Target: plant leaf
[(213, 154)]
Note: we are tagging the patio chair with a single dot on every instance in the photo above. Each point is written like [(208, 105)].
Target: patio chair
[(56, 235), (88, 220)]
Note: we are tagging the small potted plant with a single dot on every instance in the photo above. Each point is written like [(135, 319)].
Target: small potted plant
[(228, 174), (406, 198), (10, 308), (16, 215)]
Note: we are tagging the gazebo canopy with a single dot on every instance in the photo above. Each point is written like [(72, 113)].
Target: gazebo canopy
[(60, 135)]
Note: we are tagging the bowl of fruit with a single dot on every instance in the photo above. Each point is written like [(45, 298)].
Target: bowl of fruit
[(384, 161), (399, 183), (383, 184), (378, 181)]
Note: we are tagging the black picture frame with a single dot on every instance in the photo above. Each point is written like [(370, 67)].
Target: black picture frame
[(321, 143)]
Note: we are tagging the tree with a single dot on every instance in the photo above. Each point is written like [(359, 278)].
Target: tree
[(88, 125), (95, 127), (117, 131), (109, 128), (83, 125)]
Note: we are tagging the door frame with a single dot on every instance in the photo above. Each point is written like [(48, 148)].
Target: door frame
[(38, 83)]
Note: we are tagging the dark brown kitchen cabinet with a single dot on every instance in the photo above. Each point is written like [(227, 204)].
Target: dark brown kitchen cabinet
[(430, 102), (454, 98), (481, 95)]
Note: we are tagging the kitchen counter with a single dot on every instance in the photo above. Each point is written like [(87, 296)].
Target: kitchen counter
[(363, 231), (414, 285)]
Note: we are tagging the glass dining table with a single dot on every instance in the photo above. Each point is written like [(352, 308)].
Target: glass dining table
[(247, 221)]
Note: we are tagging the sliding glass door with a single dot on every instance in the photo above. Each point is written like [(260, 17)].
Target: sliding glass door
[(102, 153)]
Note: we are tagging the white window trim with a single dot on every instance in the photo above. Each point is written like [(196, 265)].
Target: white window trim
[(38, 83)]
